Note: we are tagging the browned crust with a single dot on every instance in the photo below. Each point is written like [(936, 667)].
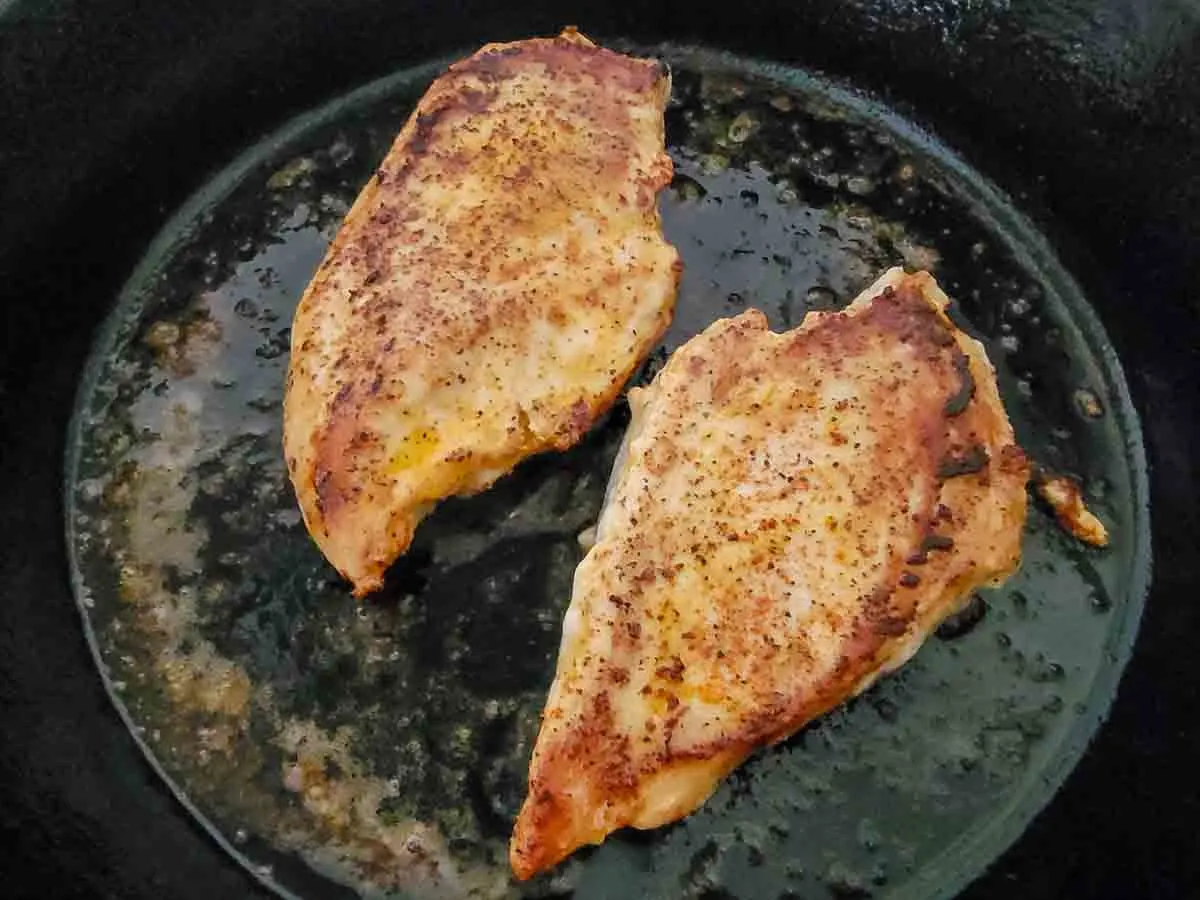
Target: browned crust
[(450, 303), (936, 556)]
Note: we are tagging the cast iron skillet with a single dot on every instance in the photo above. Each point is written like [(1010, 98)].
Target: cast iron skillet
[(1089, 116)]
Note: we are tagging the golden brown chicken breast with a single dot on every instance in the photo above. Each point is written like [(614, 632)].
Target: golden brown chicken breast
[(493, 287), (790, 517)]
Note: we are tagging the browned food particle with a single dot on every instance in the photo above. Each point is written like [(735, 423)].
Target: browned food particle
[(1065, 499), (1089, 404)]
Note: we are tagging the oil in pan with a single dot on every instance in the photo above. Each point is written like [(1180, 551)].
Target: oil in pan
[(381, 749)]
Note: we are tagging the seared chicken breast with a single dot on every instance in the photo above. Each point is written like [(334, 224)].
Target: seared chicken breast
[(790, 516), (494, 285)]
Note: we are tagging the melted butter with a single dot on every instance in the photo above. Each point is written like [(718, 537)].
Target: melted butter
[(417, 449)]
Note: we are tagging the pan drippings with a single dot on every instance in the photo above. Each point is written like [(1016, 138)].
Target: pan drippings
[(384, 746)]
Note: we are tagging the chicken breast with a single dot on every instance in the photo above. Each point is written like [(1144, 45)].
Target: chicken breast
[(791, 515), (491, 290)]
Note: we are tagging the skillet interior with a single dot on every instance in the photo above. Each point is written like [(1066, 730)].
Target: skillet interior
[(388, 749)]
